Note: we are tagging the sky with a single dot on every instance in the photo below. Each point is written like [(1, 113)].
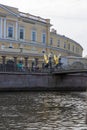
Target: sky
[(68, 17)]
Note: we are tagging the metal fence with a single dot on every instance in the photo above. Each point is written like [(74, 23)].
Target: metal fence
[(11, 67)]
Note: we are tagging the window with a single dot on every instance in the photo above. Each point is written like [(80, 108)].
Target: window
[(51, 41), (77, 49), (33, 37), (73, 48), (64, 45), (43, 37), (10, 31), (21, 33), (69, 46), (58, 45)]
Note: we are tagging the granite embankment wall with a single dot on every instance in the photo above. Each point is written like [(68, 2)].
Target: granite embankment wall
[(40, 81)]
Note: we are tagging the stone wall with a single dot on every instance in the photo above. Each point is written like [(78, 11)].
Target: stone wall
[(40, 81)]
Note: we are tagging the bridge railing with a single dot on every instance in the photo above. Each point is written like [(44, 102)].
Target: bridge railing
[(35, 69)]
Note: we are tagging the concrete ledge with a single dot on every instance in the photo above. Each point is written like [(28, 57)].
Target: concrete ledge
[(13, 81)]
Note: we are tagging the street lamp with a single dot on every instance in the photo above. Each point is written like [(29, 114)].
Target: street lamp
[(50, 61)]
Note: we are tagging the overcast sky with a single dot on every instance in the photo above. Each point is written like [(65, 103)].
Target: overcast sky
[(68, 17)]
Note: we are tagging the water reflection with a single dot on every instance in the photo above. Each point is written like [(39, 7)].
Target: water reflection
[(42, 111)]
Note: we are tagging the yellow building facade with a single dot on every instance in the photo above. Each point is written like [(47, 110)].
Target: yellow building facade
[(27, 37)]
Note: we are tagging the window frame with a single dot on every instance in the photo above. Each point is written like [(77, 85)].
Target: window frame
[(64, 45), (8, 34), (58, 43), (44, 40), (34, 35), (20, 32), (73, 48), (68, 46)]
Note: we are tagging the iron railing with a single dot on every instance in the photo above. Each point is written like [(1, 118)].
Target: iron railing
[(36, 69)]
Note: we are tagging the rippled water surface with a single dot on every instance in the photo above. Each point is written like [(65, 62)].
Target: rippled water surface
[(43, 111)]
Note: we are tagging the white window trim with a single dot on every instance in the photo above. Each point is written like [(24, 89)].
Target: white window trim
[(24, 33), (0, 27), (10, 25), (5, 27)]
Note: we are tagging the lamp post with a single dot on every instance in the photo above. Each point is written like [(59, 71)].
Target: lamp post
[(3, 62), (50, 61)]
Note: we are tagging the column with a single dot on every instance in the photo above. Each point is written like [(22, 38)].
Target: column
[(15, 63), (16, 35), (4, 27), (0, 27)]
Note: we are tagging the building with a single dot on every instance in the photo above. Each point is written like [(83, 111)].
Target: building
[(26, 37)]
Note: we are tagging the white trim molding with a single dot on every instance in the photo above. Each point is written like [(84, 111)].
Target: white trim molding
[(1, 27), (4, 27)]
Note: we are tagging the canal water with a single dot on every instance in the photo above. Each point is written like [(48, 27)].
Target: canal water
[(43, 111)]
